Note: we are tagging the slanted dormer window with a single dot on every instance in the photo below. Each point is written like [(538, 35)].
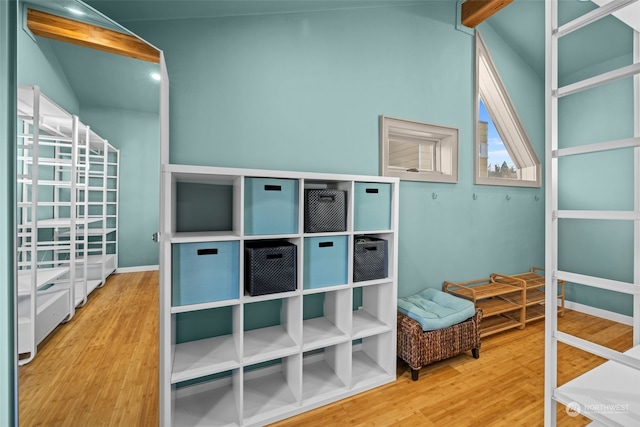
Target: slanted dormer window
[(504, 155)]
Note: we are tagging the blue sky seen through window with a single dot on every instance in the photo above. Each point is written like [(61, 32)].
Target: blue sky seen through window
[(496, 149)]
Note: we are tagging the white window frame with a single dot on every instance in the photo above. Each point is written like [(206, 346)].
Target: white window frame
[(445, 153), (496, 100)]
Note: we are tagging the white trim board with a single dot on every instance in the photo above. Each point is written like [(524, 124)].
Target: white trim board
[(137, 269), (598, 312)]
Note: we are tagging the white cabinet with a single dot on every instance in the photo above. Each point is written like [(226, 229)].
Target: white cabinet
[(230, 358)]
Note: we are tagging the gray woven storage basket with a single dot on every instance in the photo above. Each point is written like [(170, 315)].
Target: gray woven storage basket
[(369, 259), (270, 266), (324, 210)]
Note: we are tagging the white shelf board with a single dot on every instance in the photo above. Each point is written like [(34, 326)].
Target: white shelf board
[(265, 396), (319, 381), (267, 343), (368, 232), (271, 236), (325, 289), (200, 175), (64, 222), (204, 357), (203, 306), (203, 236), (364, 325), (328, 234), (365, 283), (320, 332), (92, 232), (44, 276), (609, 393), (364, 369), (268, 297), (47, 182), (215, 407), (209, 174), (97, 259), (43, 300), (45, 161)]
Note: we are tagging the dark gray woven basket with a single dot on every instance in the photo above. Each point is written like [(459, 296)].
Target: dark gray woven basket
[(270, 267), (369, 259), (325, 211)]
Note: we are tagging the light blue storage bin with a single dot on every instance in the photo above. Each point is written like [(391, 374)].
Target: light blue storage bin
[(372, 206), (205, 272), (325, 261), (271, 206)]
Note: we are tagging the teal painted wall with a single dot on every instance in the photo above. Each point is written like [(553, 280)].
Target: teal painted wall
[(602, 181), (137, 135), (8, 368), (38, 65), (304, 92)]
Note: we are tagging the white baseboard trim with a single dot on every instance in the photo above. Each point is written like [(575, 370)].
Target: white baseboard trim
[(598, 312), (137, 269)]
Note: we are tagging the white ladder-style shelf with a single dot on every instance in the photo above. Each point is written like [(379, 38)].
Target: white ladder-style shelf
[(608, 394)]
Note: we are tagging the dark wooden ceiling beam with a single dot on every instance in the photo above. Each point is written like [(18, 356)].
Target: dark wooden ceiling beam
[(475, 12), (56, 27)]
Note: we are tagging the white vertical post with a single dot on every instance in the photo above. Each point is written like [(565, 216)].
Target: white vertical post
[(164, 112), (117, 203), (636, 168), (105, 199), (551, 206), (165, 339), (166, 333), (84, 208), (35, 153), (73, 238)]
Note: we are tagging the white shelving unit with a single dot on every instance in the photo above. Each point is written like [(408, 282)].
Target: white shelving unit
[(608, 394), (241, 360), (102, 208), (54, 217)]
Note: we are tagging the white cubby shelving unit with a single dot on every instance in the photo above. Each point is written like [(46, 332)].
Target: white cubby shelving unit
[(608, 394), (228, 358), (54, 219)]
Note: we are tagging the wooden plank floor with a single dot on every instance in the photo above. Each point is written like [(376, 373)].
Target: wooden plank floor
[(101, 370)]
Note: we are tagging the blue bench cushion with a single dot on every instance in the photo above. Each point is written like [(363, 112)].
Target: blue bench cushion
[(435, 309)]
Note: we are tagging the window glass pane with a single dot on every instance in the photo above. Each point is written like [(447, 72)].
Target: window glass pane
[(411, 155), (426, 156), (495, 161), (403, 155)]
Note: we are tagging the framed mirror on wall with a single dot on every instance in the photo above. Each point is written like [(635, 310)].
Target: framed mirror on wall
[(116, 84)]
